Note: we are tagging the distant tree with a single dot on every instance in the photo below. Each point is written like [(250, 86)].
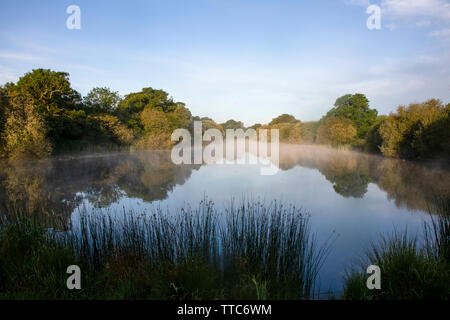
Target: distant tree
[(197, 118), (355, 108), (111, 127), (419, 130), (284, 118), (284, 130), (255, 126), (147, 98), (25, 133), (309, 131), (179, 117), (157, 130), (336, 131), (101, 100), (41, 113), (210, 124), (232, 124), (5, 108), (373, 139), (49, 91), (49, 94), (155, 121), (295, 134), (153, 115)]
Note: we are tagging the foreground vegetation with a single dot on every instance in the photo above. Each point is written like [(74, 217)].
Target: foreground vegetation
[(249, 251), (409, 270), (252, 251), (42, 114)]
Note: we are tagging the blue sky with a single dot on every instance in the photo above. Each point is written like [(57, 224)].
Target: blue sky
[(243, 59)]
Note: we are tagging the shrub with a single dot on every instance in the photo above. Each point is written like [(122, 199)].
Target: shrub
[(336, 131), (25, 133), (417, 131)]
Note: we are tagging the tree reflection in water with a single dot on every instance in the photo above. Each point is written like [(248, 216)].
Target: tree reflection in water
[(411, 185), (54, 187)]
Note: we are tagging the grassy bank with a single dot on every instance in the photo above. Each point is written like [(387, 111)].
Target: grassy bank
[(250, 251), (410, 269)]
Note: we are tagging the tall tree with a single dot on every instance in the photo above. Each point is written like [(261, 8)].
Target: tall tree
[(284, 118), (101, 100), (49, 91), (232, 124), (355, 108), (25, 133), (336, 131)]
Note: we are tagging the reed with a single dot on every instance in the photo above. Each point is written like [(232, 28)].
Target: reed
[(410, 269), (247, 251)]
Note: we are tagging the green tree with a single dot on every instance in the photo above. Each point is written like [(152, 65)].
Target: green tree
[(25, 134), (110, 127), (373, 138), (49, 94), (233, 124), (49, 91), (152, 116), (419, 130), (157, 130), (101, 100), (255, 126), (284, 118), (355, 108), (295, 134), (135, 102), (179, 117), (336, 131), (309, 131), (5, 107)]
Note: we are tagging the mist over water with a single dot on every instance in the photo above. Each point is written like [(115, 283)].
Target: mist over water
[(355, 195)]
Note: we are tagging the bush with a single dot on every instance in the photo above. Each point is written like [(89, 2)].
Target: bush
[(336, 132), (25, 133), (418, 131), (309, 131)]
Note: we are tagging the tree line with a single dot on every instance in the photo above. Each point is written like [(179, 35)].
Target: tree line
[(41, 114)]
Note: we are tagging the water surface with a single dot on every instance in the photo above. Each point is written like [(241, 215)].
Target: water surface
[(355, 195)]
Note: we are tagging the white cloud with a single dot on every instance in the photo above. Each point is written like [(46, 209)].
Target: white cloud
[(405, 9), (443, 33), (421, 11), (400, 81), (423, 23)]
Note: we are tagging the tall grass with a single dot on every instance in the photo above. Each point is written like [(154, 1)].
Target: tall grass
[(437, 233), (249, 251), (273, 242), (409, 269)]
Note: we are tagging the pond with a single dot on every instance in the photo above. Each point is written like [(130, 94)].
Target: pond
[(352, 195)]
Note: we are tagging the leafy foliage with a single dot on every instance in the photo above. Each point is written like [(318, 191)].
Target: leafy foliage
[(336, 131), (418, 131), (232, 124), (284, 118), (309, 131), (355, 108), (101, 100), (41, 114), (25, 133)]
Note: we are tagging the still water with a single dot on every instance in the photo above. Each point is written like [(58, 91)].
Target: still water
[(357, 196)]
